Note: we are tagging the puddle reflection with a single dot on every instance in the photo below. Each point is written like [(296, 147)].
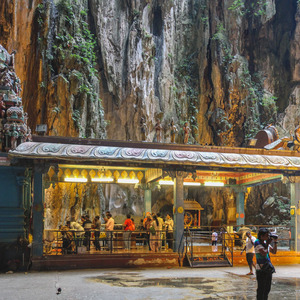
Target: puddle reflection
[(232, 286)]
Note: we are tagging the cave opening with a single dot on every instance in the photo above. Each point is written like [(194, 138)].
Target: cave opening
[(157, 22)]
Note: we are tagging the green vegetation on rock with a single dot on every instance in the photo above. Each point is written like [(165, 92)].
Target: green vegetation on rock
[(71, 51)]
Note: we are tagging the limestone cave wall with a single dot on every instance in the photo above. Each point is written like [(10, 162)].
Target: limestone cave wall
[(93, 68)]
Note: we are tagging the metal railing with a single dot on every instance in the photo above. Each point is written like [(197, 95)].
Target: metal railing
[(57, 242), (285, 241), (196, 242), (227, 246), (193, 240)]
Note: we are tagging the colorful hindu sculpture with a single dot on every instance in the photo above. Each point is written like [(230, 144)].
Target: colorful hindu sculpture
[(297, 138), (158, 131), (13, 121), (173, 131), (186, 132), (143, 127)]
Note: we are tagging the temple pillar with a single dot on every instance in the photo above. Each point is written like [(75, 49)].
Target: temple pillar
[(38, 215), (295, 213), (147, 200), (240, 206), (178, 210)]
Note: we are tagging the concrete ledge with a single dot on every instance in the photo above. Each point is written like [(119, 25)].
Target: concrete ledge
[(88, 261)]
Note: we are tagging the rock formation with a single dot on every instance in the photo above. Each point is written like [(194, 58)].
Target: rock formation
[(95, 68)]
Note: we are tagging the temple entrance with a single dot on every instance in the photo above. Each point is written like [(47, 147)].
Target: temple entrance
[(211, 201), (137, 179)]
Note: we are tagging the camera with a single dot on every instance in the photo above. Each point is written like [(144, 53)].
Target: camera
[(273, 235)]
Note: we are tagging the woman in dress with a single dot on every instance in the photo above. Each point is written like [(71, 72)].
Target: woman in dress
[(155, 230)]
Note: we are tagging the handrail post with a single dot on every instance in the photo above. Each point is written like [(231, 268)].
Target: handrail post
[(186, 241), (192, 253)]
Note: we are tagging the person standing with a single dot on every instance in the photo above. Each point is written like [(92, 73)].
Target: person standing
[(147, 224), (87, 225), (264, 268), (79, 232), (250, 252), (169, 231), (97, 227), (214, 239), (133, 224), (109, 227), (105, 216), (161, 225), (154, 234), (127, 232)]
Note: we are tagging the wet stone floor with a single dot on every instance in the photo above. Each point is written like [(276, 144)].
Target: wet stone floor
[(142, 284), (233, 286)]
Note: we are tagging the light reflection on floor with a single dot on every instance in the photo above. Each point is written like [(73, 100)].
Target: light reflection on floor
[(233, 286)]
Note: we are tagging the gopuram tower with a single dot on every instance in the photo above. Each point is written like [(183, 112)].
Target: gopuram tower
[(13, 120)]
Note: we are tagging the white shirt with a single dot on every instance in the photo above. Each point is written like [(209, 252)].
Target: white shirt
[(250, 244), (76, 226), (214, 236), (169, 223), (161, 222), (109, 225)]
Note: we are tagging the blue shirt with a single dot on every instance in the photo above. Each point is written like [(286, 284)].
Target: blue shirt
[(260, 259)]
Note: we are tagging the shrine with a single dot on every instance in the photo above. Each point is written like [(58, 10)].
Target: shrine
[(55, 160)]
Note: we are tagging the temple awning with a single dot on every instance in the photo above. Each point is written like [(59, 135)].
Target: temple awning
[(154, 155), (192, 205)]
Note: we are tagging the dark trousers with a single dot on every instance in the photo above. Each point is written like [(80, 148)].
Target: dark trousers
[(169, 236), (109, 237), (264, 280), (87, 240), (147, 237), (96, 242), (249, 258)]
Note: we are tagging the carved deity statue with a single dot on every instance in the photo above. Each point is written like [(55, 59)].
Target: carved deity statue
[(158, 131), (2, 108), (186, 132), (297, 138), (6, 60), (143, 127), (15, 129), (173, 130), (195, 220)]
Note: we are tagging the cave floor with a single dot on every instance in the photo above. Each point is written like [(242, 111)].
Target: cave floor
[(153, 283)]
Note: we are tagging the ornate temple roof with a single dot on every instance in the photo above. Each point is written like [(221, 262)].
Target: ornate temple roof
[(84, 151)]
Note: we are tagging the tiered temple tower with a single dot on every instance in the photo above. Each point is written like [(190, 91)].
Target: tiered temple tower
[(13, 120)]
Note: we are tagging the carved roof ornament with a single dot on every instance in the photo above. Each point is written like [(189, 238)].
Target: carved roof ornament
[(268, 138), (13, 121), (261, 160)]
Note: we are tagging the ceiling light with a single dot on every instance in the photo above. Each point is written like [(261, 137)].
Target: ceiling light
[(166, 182), (187, 183), (102, 179), (75, 179), (214, 183), (130, 181)]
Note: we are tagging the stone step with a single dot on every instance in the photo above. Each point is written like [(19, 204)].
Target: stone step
[(211, 264), (208, 260)]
